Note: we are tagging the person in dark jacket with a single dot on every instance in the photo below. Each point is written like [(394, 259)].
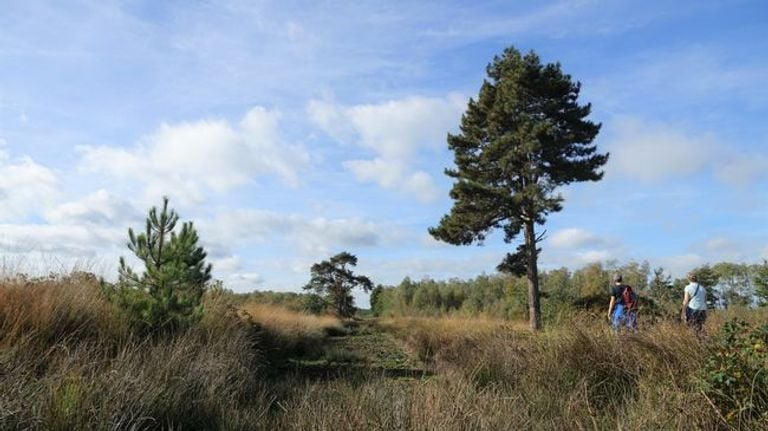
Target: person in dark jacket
[(622, 309)]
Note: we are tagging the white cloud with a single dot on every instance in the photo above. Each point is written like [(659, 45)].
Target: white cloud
[(397, 132), (398, 128), (190, 158), (655, 152), (392, 173), (680, 265), (742, 169), (719, 244), (98, 208), (331, 119), (243, 281), (316, 236), (25, 186), (421, 185), (390, 271), (731, 247), (592, 256), (67, 240), (572, 238)]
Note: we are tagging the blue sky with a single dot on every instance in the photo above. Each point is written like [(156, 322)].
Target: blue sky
[(290, 131)]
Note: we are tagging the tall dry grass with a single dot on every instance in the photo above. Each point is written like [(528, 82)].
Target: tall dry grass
[(285, 334), (68, 362), (579, 375), (56, 309), (290, 323)]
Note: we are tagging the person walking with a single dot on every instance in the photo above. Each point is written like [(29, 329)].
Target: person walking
[(622, 309), (694, 311)]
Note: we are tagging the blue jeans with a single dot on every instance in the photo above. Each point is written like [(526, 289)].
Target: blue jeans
[(623, 317)]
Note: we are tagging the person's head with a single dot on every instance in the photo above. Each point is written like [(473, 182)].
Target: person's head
[(692, 277), (617, 278)]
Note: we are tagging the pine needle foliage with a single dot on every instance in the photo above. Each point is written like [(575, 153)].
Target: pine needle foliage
[(167, 295), (333, 281), (523, 137)]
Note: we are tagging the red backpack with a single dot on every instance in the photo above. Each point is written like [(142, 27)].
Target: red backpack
[(628, 298)]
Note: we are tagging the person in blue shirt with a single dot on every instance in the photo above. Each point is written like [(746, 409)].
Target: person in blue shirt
[(622, 310), (694, 311)]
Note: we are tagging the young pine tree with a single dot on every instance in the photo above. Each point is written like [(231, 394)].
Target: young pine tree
[(167, 295)]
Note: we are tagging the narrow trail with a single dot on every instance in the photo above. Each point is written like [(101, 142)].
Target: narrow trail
[(366, 351)]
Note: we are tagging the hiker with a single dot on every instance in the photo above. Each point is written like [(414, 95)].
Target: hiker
[(694, 311), (622, 310)]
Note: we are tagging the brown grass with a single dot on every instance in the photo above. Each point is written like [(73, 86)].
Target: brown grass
[(69, 361), (579, 375), (290, 323), (56, 308)]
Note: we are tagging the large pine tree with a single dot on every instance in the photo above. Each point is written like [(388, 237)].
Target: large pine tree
[(523, 137)]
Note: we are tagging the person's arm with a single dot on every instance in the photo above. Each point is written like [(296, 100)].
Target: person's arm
[(686, 299), (610, 306)]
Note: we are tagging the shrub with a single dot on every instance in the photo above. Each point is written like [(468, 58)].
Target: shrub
[(735, 376)]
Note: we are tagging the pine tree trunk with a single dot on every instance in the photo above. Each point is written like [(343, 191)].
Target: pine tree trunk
[(534, 310)]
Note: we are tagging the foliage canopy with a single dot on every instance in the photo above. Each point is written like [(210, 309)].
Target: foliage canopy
[(333, 281), (524, 136)]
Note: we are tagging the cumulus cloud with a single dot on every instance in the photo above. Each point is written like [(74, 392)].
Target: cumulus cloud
[(317, 235), (332, 119), (576, 247), (654, 152), (397, 132), (98, 208), (393, 173), (572, 238), (593, 256), (191, 158), (25, 186), (398, 128), (66, 240)]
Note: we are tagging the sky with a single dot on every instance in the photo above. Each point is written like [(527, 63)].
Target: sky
[(289, 131)]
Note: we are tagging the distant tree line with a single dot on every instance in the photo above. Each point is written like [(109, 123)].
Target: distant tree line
[(505, 296)]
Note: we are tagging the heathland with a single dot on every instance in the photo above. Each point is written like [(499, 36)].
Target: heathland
[(70, 360)]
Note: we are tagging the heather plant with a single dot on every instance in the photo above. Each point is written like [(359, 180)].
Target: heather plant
[(168, 294)]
